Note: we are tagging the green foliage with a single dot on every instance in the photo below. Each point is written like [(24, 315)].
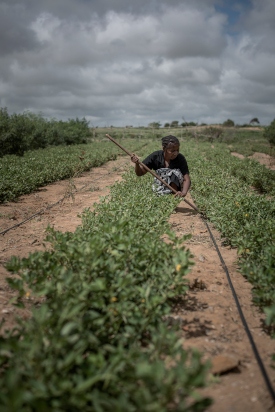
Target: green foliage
[(270, 321), (98, 341), (184, 124), (154, 125), (221, 186), (228, 123), (245, 142), (210, 134), (174, 123), (21, 175), (254, 120), (27, 131), (74, 131), (269, 133)]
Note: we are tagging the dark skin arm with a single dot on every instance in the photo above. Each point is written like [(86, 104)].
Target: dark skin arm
[(140, 171), (185, 186)]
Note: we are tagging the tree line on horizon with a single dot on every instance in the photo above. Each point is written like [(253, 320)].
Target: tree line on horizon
[(176, 123), (28, 131)]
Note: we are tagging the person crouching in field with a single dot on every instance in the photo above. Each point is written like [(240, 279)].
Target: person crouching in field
[(169, 164)]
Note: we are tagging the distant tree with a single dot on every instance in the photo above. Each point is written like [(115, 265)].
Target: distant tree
[(228, 123), (254, 120), (154, 125), (167, 125), (184, 124), (188, 124), (269, 133), (174, 123)]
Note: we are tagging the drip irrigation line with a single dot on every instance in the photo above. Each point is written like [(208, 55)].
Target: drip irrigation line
[(245, 325), (32, 216), (47, 208)]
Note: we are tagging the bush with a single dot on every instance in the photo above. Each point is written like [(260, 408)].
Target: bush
[(98, 341), (212, 133), (269, 133), (22, 132), (228, 123)]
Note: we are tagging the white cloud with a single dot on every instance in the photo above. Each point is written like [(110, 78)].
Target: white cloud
[(122, 62), (45, 27)]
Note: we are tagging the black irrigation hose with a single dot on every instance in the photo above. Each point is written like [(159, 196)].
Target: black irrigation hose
[(245, 325), (43, 210), (32, 216)]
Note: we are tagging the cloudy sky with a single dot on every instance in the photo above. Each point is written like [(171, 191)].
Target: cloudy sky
[(133, 62)]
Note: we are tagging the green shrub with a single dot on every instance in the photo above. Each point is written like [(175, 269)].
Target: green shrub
[(22, 132), (228, 123), (98, 341), (269, 133), (221, 186)]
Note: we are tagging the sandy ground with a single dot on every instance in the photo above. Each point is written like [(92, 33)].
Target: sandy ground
[(208, 318), (262, 158)]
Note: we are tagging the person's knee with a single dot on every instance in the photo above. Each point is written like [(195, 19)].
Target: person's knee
[(174, 186)]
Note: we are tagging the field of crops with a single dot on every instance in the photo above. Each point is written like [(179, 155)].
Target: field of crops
[(99, 336), (222, 187), (22, 175), (98, 341)]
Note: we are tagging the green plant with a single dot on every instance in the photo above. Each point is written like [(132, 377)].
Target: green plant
[(98, 341), (228, 123), (21, 175), (23, 132), (221, 187), (269, 133)]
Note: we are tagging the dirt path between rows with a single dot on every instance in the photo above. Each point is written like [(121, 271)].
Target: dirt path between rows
[(262, 158), (208, 318)]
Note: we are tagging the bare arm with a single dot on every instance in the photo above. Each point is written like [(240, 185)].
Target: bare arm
[(140, 171), (186, 185)]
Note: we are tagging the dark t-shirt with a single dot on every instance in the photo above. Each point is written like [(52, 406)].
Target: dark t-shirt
[(155, 161)]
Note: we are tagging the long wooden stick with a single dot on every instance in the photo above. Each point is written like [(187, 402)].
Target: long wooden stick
[(152, 172)]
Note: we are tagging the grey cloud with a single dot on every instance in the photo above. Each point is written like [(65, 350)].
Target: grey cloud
[(260, 17), (15, 35), (84, 9), (259, 23), (132, 62)]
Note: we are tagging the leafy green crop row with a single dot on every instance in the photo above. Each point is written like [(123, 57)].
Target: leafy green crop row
[(244, 218), (99, 342), (248, 171), (22, 175), (242, 141)]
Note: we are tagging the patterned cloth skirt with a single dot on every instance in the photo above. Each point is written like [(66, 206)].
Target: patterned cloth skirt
[(169, 176)]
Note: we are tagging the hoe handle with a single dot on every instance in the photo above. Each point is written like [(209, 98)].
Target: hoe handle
[(152, 173)]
